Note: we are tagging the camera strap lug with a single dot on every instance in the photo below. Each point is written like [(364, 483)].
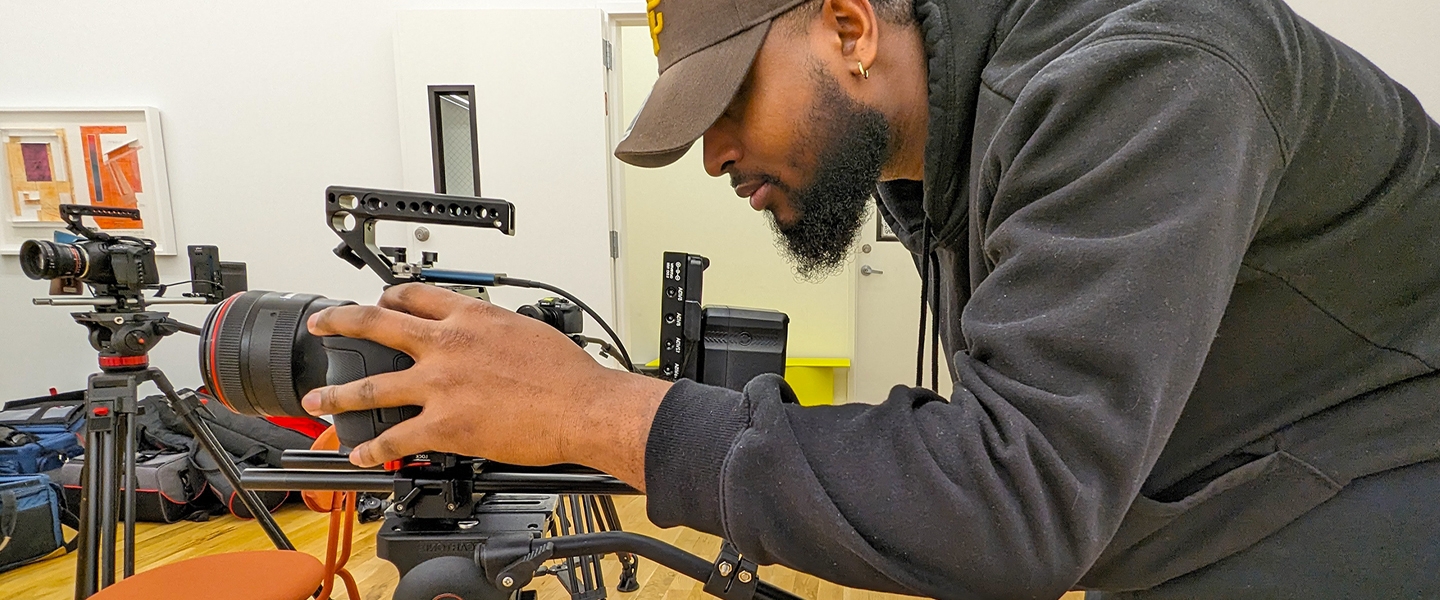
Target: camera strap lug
[(734, 577)]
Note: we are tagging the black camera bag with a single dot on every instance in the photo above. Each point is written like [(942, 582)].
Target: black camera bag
[(247, 441), (30, 517), (168, 487), (220, 486)]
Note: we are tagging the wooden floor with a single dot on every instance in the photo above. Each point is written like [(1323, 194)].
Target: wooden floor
[(53, 579)]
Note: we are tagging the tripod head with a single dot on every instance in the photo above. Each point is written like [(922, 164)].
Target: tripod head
[(124, 339)]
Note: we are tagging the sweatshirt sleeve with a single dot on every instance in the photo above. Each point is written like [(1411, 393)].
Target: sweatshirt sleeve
[(1126, 181)]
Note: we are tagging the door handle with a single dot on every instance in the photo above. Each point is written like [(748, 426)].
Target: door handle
[(867, 270)]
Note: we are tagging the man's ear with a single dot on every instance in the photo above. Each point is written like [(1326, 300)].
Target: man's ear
[(853, 24)]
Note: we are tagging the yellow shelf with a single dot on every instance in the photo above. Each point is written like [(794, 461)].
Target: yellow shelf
[(812, 379), (833, 363)]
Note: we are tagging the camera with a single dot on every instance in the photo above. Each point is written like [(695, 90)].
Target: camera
[(125, 264), (117, 268), (120, 266)]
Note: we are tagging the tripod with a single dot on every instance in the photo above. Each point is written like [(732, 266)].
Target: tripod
[(124, 340)]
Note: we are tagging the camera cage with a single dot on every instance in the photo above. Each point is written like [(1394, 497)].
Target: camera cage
[(352, 214)]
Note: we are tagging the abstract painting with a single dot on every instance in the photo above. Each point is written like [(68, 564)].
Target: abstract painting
[(38, 166), (100, 157)]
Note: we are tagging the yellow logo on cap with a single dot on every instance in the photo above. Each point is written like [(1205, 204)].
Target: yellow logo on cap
[(657, 23)]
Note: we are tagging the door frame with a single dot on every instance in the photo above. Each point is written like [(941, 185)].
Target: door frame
[(618, 14)]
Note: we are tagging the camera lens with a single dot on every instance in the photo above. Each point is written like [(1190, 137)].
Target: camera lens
[(48, 260), (256, 355), (258, 358)]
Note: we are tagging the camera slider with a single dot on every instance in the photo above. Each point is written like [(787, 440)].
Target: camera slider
[(497, 546)]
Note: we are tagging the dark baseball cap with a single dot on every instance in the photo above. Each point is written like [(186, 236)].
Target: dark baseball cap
[(705, 49)]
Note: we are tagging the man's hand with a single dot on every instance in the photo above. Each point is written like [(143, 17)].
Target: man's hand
[(490, 383)]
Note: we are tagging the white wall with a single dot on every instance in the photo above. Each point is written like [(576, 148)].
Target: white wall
[(264, 104), (1401, 36), (540, 116)]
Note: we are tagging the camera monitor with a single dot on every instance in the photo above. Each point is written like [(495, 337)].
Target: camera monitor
[(716, 345)]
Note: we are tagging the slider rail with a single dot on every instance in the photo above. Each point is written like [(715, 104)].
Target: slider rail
[(330, 471)]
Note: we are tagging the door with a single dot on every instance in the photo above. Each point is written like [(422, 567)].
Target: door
[(887, 317)]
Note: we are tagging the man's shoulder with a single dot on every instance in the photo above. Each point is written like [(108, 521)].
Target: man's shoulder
[(1260, 38)]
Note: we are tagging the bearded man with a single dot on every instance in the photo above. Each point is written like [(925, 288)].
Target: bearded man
[(1183, 256)]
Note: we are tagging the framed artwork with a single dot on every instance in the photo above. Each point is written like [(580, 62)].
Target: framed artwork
[(103, 157), (883, 233)]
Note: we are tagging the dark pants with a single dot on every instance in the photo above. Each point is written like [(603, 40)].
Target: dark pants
[(1378, 538)]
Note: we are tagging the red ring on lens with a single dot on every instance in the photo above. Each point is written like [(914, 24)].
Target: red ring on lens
[(218, 389)]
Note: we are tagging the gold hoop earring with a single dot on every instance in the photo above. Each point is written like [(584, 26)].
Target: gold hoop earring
[(863, 72)]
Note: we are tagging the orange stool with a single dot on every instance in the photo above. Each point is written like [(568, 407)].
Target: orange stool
[(341, 506), (260, 575)]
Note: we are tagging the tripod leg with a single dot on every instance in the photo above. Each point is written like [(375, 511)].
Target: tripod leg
[(591, 518), (110, 480), (130, 482), (186, 405), (87, 573), (629, 563)]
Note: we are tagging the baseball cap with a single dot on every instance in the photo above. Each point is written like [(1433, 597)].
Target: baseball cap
[(705, 48)]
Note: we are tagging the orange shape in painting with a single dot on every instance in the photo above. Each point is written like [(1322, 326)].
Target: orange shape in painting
[(114, 176)]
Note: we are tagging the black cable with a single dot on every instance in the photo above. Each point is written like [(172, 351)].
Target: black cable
[(935, 326), (924, 292), (160, 290), (539, 285)]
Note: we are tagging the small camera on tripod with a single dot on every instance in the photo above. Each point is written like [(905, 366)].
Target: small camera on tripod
[(119, 268)]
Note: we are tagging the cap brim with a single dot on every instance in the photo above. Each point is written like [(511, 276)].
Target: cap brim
[(688, 98)]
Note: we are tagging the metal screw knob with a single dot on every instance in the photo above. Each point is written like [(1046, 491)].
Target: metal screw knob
[(744, 577), (725, 569), (507, 581), (422, 233)]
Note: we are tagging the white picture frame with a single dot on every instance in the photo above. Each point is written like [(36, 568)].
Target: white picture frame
[(52, 156)]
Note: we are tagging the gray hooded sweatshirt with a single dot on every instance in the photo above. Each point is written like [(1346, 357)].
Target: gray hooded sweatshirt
[(1189, 271)]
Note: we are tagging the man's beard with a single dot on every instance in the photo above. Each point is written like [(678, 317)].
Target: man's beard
[(854, 142)]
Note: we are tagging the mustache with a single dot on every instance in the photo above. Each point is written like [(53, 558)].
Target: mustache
[(739, 178)]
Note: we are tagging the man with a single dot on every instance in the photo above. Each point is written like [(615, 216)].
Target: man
[(1187, 260)]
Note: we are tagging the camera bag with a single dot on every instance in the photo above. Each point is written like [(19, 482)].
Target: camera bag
[(40, 434), (220, 486), (30, 517), (168, 487), (247, 441)]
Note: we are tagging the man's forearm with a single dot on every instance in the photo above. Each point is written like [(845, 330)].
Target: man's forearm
[(614, 425)]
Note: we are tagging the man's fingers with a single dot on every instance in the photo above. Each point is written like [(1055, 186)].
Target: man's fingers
[(425, 301), (402, 439), (378, 391), (394, 329)]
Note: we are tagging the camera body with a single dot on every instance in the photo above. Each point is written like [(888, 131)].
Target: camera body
[(117, 266), (113, 266)]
